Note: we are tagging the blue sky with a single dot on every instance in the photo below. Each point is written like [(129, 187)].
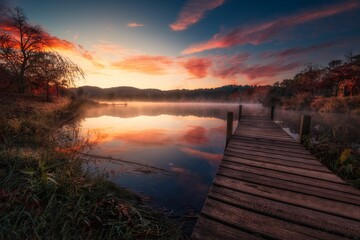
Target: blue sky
[(196, 43)]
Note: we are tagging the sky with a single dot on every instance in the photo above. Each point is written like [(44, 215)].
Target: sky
[(195, 43)]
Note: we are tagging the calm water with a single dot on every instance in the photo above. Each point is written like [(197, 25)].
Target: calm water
[(187, 140)]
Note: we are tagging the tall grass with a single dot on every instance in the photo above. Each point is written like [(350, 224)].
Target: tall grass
[(46, 193)]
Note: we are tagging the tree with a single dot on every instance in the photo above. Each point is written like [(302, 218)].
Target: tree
[(19, 45), (52, 69)]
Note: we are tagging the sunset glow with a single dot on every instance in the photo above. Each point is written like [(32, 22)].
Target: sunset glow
[(194, 43)]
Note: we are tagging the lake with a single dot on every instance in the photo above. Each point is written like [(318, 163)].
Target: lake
[(184, 140), (174, 149)]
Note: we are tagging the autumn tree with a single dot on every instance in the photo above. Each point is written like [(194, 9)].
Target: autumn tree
[(19, 45)]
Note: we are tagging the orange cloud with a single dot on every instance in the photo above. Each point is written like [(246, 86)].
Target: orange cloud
[(195, 135), (153, 65), (200, 154), (197, 67), (134, 25), (150, 137), (52, 42), (263, 32), (192, 12), (89, 56)]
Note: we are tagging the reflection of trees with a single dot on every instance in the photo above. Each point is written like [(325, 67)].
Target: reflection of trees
[(338, 127), (179, 109)]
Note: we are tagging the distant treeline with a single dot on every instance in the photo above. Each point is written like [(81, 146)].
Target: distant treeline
[(229, 93)]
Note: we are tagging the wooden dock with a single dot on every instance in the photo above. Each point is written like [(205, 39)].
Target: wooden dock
[(269, 186)]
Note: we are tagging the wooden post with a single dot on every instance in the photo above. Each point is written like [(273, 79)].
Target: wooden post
[(304, 127), (229, 127), (240, 111), (272, 112)]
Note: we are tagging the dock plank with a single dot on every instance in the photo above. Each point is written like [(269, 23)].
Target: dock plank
[(269, 186), (265, 226)]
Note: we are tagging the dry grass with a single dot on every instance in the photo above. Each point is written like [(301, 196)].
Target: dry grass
[(13, 104), (47, 193)]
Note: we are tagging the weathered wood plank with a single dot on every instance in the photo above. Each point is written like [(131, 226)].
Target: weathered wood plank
[(343, 190), (262, 224), (288, 185), (278, 155), (239, 140), (280, 162), (303, 171), (306, 201), (256, 146), (269, 186), (213, 230), (292, 213), (298, 154)]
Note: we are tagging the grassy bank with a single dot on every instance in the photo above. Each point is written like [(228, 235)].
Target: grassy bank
[(45, 192)]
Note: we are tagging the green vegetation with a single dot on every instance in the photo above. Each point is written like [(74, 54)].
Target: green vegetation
[(46, 191)]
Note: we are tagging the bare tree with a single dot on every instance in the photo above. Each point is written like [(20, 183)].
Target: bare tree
[(52, 69), (19, 44)]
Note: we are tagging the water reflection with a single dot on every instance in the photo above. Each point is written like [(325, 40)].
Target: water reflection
[(185, 139)]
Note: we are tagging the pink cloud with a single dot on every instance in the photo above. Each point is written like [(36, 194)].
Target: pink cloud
[(197, 67), (134, 25), (290, 52), (89, 56), (52, 42), (261, 33), (228, 67), (231, 67), (153, 65), (192, 13), (268, 70)]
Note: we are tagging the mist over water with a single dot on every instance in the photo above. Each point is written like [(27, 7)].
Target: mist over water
[(216, 110)]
